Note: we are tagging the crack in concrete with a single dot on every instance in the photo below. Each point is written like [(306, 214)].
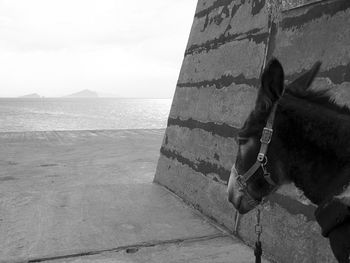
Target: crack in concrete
[(128, 247)]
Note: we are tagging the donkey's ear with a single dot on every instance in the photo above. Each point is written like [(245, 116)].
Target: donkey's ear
[(272, 80), (305, 80)]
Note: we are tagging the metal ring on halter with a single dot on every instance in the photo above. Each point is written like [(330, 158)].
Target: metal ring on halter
[(262, 158)]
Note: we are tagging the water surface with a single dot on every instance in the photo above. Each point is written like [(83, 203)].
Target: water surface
[(82, 114)]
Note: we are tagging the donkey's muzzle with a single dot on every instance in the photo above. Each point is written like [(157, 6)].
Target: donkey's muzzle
[(233, 189), (238, 195)]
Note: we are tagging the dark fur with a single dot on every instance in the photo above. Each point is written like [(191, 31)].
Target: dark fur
[(315, 133), (310, 145), (312, 134)]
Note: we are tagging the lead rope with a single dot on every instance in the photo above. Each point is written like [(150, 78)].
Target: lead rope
[(258, 231)]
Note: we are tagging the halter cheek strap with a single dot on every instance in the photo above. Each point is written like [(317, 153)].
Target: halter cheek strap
[(261, 160), (267, 134)]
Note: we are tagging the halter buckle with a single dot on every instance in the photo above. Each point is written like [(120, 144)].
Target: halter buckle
[(260, 157), (266, 135)]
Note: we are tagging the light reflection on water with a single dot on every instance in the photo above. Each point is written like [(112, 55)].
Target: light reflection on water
[(82, 114)]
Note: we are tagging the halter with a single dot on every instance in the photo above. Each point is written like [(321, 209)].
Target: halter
[(261, 160)]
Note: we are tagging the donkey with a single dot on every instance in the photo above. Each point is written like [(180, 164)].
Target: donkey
[(300, 135)]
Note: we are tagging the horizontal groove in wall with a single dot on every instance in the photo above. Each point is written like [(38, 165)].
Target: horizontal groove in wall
[(215, 5), (293, 206), (254, 35), (315, 12), (222, 82), (224, 130), (256, 7), (337, 75), (286, 9), (199, 166)]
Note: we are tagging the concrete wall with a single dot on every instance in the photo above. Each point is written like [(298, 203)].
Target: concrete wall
[(227, 48)]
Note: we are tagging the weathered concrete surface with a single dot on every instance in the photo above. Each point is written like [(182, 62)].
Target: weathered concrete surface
[(68, 194), (289, 235), (205, 194), (227, 47), (197, 145), (211, 105), (219, 22), (317, 32), (216, 88), (217, 84)]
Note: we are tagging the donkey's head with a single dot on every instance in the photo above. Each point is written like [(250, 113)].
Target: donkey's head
[(253, 176), (261, 163)]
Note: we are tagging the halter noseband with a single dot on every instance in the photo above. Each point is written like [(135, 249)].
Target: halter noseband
[(261, 160)]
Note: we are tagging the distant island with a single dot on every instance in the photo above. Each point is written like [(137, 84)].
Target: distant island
[(31, 96), (80, 94), (83, 94)]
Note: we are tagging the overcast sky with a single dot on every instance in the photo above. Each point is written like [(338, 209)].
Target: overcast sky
[(127, 48)]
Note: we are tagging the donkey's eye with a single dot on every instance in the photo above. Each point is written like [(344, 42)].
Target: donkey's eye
[(242, 140)]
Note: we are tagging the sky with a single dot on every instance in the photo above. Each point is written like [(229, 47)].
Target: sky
[(114, 47)]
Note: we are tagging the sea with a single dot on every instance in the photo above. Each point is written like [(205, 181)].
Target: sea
[(47, 114)]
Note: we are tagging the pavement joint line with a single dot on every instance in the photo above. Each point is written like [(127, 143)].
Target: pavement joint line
[(223, 229), (122, 248)]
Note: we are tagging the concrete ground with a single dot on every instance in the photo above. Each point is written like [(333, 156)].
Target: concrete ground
[(88, 196)]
